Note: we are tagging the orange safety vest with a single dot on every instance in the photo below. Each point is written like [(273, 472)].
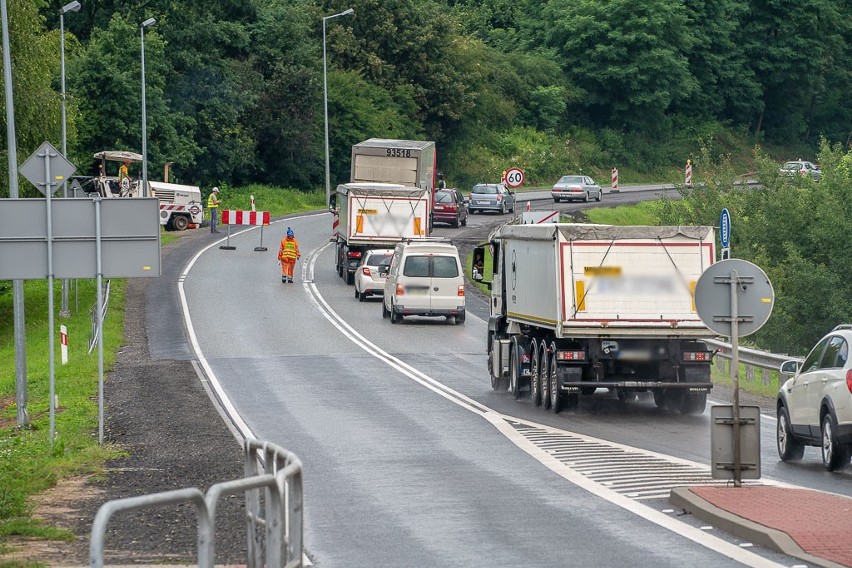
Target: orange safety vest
[(289, 250)]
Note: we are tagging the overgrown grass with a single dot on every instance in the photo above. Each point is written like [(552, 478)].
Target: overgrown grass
[(644, 213), (29, 463)]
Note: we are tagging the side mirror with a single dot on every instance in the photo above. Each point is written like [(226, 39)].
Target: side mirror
[(789, 367)]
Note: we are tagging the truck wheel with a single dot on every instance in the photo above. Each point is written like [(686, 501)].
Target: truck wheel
[(660, 398), (180, 223), (515, 371), (555, 394), (693, 403), (535, 383), (544, 367), (501, 382)]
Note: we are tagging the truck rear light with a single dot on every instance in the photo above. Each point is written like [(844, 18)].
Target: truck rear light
[(366, 271), (354, 254), (461, 289), (399, 290), (697, 356), (570, 355), (849, 380)]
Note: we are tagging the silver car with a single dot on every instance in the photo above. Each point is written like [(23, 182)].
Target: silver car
[(800, 167), (491, 197), (576, 188), (815, 405)]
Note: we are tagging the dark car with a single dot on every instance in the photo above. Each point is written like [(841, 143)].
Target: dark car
[(449, 208)]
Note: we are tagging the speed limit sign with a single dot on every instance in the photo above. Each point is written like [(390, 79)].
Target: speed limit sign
[(515, 177)]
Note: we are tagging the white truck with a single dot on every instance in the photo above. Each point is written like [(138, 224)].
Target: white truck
[(181, 206), (405, 162), (576, 307), (376, 215)]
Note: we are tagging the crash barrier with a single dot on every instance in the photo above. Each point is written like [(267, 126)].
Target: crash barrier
[(93, 338), (752, 359), (274, 517), (232, 217), (615, 180)]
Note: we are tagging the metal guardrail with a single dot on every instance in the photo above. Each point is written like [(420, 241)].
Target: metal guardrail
[(273, 540), (753, 359)]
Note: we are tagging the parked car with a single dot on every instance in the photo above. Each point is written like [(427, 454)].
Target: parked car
[(425, 279), (801, 167), (580, 188), (491, 197), (371, 273), (815, 404), (449, 208)]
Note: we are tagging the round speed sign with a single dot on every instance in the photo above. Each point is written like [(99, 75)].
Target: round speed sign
[(515, 177)]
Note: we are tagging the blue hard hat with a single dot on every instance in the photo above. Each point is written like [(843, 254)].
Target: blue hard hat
[(290, 232)]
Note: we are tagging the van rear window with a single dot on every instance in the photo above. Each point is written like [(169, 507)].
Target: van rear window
[(434, 266)]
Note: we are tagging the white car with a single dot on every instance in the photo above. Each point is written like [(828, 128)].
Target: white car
[(815, 405), (371, 273), (425, 279), (581, 188)]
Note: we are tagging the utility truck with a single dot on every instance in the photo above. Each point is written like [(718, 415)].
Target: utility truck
[(578, 307), (405, 162), (180, 205), (376, 215)]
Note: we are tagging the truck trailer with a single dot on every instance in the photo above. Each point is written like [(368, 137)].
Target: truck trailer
[(578, 307), (377, 215), (404, 162)]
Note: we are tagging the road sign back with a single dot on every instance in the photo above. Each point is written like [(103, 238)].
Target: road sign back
[(58, 168)]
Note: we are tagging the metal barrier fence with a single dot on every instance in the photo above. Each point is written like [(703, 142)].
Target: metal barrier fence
[(753, 360), (273, 540)]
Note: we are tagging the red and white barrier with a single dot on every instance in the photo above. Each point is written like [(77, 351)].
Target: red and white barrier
[(688, 180), (335, 223), (63, 342), (615, 180), (231, 217)]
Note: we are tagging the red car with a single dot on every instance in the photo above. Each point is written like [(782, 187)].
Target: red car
[(449, 208)]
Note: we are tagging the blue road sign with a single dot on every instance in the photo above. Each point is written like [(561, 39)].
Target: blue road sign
[(725, 228)]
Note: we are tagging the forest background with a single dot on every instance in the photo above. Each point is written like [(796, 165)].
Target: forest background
[(235, 87)]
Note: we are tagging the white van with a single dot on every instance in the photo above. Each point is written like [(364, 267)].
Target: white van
[(425, 279)]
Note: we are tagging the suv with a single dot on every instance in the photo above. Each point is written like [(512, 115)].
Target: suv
[(449, 208), (815, 405), (491, 197), (425, 279)]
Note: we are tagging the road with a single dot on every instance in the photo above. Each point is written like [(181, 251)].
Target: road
[(411, 459)]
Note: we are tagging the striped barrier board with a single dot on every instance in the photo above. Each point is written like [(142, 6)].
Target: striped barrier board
[(231, 217)]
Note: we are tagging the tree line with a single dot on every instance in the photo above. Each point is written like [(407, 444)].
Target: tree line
[(235, 87)]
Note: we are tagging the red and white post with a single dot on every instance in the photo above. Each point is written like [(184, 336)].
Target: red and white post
[(63, 343), (615, 180), (688, 180), (252, 203)]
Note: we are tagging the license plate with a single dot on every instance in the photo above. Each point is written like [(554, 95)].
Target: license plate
[(482, 202), (418, 291)]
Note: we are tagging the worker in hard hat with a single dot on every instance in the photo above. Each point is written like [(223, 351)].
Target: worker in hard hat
[(213, 208), (288, 254), (124, 176)]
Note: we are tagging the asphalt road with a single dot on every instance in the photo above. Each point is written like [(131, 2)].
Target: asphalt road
[(410, 457)]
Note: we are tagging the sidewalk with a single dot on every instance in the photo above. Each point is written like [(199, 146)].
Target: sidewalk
[(813, 526)]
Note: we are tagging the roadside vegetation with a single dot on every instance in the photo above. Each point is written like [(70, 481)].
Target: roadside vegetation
[(29, 463)]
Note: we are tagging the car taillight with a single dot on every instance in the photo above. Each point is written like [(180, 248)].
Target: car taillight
[(697, 356), (849, 380), (399, 289), (354, 254), (366, 271), (499, 198), (570, 355), (461, 289)]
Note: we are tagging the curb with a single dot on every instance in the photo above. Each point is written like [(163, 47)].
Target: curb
[(756, 533)]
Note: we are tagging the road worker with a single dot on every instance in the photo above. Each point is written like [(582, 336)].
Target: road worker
[(124, 176), (288, 254), (213, 207)]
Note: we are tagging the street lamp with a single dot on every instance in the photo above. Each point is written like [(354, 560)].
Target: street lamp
[(64, 312), (325, 105), (145, 24)]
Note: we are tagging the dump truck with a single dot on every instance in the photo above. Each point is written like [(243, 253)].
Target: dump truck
[(578, 307), (406, 162), (376, 215)]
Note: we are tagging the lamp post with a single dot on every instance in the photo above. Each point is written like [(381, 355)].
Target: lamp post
[(74, 6), (145, 24), (325, 104)]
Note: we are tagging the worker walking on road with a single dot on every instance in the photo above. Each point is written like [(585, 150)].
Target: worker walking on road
[(288, 254), (213, 208)]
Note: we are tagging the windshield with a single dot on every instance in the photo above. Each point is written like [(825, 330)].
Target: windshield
[(444, 197), (488, 189), (571, 179), (377, 259)]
